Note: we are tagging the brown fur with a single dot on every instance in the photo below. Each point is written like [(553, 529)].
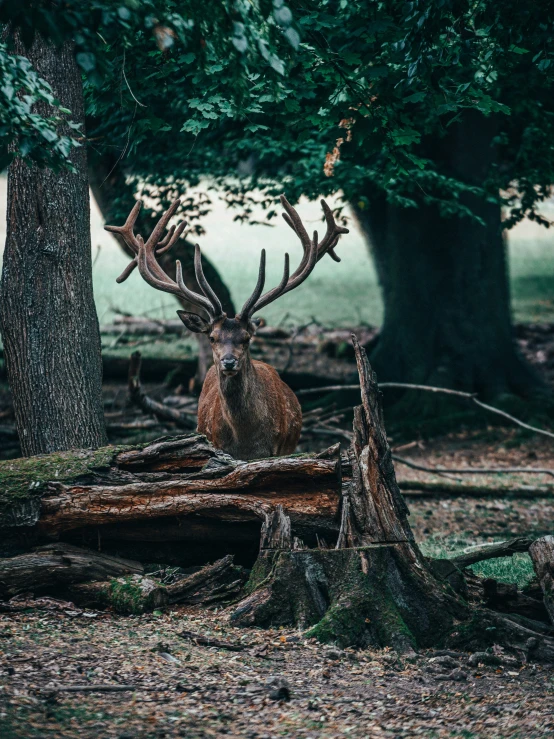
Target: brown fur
[(250, 415)]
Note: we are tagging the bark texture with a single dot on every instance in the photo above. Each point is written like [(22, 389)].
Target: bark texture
[(215, 583), (47, 313), (375, 589), (542, 554), (444, 280), (56, 566), (179, 492)]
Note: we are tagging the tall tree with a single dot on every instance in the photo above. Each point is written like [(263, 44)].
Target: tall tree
[(47, 313), (429, 117)]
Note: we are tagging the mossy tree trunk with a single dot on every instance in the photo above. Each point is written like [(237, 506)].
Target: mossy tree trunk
[(47, 313)]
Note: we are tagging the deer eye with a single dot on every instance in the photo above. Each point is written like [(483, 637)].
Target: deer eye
[(212, 340)]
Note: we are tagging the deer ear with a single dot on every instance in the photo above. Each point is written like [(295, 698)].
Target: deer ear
[(254, 324), (193, 322)]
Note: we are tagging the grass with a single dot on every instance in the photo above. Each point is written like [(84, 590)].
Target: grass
[(516, 569)]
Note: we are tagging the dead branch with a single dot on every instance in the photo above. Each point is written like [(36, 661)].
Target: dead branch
[(431, 389), (182, 419), (474, 470), (431, 489), (492, 551)]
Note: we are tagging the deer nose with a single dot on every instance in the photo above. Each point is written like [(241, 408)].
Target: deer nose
[(229, 362)]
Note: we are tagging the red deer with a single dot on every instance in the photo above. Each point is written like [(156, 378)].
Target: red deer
[(244, 408)]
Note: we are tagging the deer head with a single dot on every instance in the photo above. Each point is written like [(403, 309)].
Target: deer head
[(230, 337)]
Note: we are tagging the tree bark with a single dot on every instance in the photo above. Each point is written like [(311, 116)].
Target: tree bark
[(47, 313), (445, 281), (542, 554), (175, 500), (376, 590), (56, 566)]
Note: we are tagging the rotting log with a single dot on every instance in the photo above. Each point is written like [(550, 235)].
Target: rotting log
[(215, 583), (542, 555), (55, 567), (376, 588), (168, 490), (128, 595)]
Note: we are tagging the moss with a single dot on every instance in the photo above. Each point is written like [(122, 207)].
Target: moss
[(262, 570), (133, 594), (22, 481)]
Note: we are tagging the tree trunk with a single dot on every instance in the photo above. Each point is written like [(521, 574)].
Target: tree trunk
[(445, 281), (375, 588), (47, 313), (542, 554)]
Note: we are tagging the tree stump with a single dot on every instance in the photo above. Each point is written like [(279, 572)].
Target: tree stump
[(541, 552), (373, 589)]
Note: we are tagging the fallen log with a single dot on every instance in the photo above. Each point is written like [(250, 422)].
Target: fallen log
[(542, 555), (214, 583), (174, 489), (432, 489), (129, 595), (492, 551), (55, 567)]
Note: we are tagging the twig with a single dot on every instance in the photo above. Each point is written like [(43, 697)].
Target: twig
[(431, 389), (207, 641), (103, 688), (406, 385), (512, 418), (128, 85), (473, 470)]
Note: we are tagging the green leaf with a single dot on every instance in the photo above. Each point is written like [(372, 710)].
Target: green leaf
[(86, 60)]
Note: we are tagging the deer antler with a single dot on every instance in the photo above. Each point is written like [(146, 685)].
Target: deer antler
[(313, 252), (146, 254)]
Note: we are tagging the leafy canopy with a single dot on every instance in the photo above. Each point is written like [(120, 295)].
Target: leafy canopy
[(317, 96)]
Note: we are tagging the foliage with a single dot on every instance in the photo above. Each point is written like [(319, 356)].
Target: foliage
[(282, 96), (361, 104), (24, 131)]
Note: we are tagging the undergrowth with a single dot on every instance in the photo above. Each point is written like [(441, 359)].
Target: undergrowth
[(516, 569)]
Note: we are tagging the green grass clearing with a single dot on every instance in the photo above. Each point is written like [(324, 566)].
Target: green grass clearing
[(516, 569)]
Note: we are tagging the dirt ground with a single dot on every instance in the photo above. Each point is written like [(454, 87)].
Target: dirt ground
[(278, 685), (70, 673), (474, 520)]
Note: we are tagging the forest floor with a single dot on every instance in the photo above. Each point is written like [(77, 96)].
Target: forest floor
[(154, 683), (89, 675), (70, 673)]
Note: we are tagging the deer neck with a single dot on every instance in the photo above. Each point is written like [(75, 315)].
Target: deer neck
[(239, 393)]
